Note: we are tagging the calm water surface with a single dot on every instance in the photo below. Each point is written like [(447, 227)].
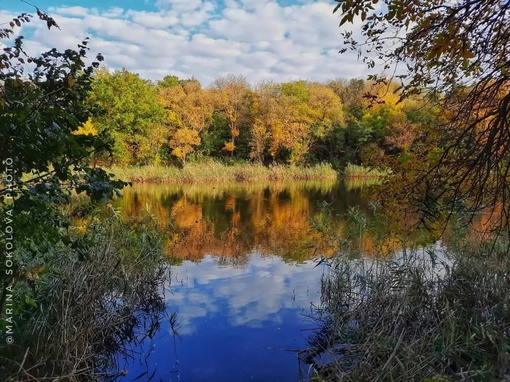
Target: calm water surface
[(243, 280)]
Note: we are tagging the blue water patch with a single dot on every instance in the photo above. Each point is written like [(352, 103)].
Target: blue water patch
[(237, 320)]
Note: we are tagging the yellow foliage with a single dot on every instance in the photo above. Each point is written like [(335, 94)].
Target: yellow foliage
[(188, 106), (229, 146), (183, 141), (178, 152), (71, 80), (86, 129)]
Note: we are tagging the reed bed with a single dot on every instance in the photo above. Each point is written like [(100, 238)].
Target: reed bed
[(214, 171), (423, 316), (356, 171)]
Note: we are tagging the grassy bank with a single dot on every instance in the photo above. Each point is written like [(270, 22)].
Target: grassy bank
[(355, 171), (216, 171)]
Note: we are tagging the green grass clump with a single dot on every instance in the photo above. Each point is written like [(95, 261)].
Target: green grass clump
[(213, 171), (352, 170)]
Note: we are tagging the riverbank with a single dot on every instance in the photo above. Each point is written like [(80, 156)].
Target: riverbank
[(213, 171), (216, 171), (433, 315)]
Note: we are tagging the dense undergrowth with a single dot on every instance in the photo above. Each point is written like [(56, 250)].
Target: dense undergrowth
[(87, 304)]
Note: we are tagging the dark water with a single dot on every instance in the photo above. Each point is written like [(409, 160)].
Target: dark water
[(244, 276)]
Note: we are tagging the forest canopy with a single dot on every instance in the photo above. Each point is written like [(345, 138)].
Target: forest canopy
[(298, 122)]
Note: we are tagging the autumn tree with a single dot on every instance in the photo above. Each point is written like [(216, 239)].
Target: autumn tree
[(183, 142), (266, 115), (232, 99), (456, 53), (327, 114), (304, 112), (191, 104)]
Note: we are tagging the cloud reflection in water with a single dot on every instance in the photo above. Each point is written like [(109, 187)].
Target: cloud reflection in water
[(236, 322)]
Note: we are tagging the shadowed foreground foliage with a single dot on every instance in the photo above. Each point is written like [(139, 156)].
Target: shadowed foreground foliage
[(455, 55), (89, 309)]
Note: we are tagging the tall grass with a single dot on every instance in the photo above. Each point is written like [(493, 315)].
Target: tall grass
[(90, 307), (423, 316), (211, 171), (356, 171)]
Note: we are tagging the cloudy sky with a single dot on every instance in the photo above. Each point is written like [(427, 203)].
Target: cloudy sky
[(277, 40)]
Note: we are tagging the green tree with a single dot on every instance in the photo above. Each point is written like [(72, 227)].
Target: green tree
[(169, 82), (128, 111), (42, 106), (456, 53)]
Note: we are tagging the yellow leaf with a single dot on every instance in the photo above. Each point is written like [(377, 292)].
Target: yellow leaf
[(86, 129)]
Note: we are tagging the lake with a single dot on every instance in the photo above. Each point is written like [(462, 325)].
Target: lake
[(245, 275)]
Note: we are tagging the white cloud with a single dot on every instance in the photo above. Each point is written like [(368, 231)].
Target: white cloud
[(259, 39), (71, 11), (250, 296), (153, 20), (179, 5), (114, 12)]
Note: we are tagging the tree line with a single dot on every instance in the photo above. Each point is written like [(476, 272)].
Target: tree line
[(296, 122)]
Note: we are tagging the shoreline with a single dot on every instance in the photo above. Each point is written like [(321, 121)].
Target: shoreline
[(218, 172)]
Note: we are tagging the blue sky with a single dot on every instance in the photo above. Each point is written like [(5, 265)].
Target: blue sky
[(259, 39)]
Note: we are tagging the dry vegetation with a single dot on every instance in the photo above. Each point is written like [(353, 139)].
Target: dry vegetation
[(423, 316), (90, 310), (211, 171)]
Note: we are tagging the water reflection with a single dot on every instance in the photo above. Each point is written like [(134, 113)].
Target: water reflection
[(235, 323), (232, 220), (244, 274)]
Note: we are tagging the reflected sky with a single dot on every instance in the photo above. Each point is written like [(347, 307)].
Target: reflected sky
[(245, 279), (236, 322)]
